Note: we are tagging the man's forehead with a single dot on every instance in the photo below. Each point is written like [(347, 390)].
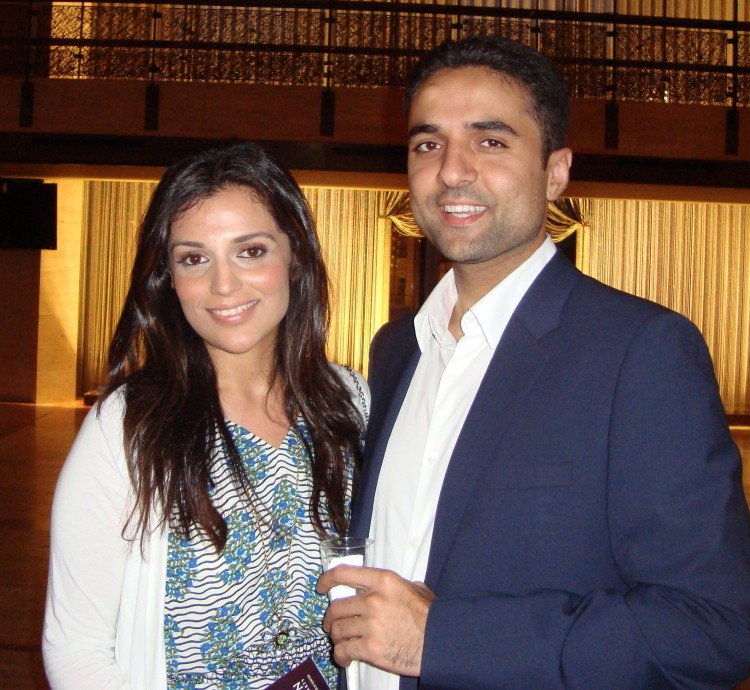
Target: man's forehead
[(453, 77), (489, 89)]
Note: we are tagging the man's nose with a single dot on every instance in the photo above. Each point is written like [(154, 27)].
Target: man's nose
[(457, 167)]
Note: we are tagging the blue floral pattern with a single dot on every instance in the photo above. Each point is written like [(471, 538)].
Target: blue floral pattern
[(239, 549), (223, 612), (222, 638), (181, 567)]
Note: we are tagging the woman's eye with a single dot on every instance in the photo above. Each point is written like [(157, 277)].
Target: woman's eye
[(254, 252), (192, 260)]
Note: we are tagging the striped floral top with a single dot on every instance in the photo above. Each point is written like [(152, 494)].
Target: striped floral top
[(222, 622)]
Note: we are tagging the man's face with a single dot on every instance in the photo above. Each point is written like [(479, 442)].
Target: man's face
[(478, 185)]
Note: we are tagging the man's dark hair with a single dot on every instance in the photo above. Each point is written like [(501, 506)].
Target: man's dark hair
[(532, 70)]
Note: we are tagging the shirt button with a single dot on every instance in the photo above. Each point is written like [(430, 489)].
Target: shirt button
[(414, 542)]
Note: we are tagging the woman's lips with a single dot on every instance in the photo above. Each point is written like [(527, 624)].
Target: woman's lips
[(234, 311)]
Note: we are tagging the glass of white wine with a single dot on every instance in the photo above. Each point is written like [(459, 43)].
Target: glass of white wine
[(346, 551)]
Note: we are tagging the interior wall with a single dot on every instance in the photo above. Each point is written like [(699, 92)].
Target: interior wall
[(19, 309), (58, 300), (39, 310), (370, 117)]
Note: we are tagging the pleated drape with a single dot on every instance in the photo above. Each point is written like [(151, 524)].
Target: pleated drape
[(355, 242), (693, 257)]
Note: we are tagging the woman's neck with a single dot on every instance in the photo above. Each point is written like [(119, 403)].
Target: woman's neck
[(253, 397)]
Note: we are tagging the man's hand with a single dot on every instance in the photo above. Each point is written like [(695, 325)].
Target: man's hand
[(383, 624)]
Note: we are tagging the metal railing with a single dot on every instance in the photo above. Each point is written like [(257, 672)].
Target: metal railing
[(368, 44)]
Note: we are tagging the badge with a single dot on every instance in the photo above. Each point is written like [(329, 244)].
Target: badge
[(306, 676)]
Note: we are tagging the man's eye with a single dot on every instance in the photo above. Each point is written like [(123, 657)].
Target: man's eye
[(426, 146), (493, 144)]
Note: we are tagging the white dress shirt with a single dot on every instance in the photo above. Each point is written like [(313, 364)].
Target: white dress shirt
[(440, 395)]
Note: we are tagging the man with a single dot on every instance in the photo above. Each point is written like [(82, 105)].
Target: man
[(548, 455)]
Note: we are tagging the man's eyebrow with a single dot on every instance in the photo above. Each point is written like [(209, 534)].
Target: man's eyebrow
[(477, 126), (422, 129), (491, 126)]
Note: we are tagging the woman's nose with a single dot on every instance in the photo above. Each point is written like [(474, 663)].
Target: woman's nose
[(224, 279)]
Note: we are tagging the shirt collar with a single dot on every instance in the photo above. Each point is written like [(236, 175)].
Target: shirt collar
[(492, 312), (433, 318)]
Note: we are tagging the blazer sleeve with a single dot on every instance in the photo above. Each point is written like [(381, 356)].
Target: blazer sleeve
[(679, 535), (88, 556)]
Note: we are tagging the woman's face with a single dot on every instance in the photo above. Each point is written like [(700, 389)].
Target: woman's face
[(230, 269)]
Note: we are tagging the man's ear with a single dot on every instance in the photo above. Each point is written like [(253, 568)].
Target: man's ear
[(558, 172)]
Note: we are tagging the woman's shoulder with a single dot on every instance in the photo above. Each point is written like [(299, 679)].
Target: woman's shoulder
[(102, 428), (96, 458), (356, 383), (111, 407), (351, 378), (106, 415)]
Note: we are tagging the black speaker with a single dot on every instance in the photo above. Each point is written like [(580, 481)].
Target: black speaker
[(28, 214)]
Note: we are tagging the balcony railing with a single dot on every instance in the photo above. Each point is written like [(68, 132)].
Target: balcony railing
[(369, 44)]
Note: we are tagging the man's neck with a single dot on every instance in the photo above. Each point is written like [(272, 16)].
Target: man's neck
[(474, 281)]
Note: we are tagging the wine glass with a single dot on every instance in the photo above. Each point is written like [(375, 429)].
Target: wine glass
[(346, 551)]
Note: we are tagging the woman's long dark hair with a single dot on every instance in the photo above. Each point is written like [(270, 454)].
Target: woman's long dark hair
[(173, 415)]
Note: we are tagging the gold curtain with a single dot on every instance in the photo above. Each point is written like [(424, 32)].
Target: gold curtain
[(678, 254), (356, 246), (563, 218), (111, 215), (354, 239), (397, 210), (692, 257)]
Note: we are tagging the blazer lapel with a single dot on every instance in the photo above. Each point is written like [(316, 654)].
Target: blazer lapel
[(518, 360)]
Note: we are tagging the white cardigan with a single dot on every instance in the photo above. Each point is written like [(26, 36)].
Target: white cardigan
[(104, 617)]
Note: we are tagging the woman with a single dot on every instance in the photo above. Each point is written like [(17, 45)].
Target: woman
[(188, 514)]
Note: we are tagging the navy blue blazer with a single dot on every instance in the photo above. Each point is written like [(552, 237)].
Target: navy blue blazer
[(591, 531)]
